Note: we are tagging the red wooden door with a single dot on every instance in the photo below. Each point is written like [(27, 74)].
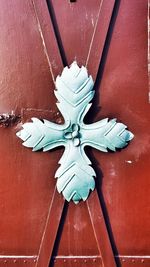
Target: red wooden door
[(37, 227)]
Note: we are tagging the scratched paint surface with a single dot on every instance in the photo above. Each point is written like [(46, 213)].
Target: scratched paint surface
[(26, 179)]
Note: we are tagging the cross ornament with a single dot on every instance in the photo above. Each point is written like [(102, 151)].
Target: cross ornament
[(74, 91)]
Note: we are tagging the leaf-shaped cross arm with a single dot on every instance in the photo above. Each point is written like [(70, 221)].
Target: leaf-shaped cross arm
[(105, 134), (74, 90), (42, 134), (75, 175)]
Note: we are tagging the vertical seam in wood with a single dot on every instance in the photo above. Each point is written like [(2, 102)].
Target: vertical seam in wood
[(59, 232), (102, 233), (57, 33), (106, 44), (43, 41), (42, 239), (91, 43), (47, 225)]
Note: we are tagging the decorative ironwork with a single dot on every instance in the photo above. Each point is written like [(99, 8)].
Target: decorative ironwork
[(74, 91)]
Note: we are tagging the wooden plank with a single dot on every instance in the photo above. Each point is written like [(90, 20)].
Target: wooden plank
[(75, 25), (46, 247), (50, 231), (100, 230), (26, 78), (99, 37), (93, 203), (51, 51), (48, 37)]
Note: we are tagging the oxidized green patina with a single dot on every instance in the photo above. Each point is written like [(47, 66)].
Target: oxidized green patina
[(74, 91)]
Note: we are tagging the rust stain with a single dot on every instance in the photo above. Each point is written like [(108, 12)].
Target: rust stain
[(7, 119), (51, 114)]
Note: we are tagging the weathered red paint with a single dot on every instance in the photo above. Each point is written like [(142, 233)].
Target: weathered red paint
[(113, 225)]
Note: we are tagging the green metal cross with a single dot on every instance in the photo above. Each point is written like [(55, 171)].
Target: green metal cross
[(74, 91)]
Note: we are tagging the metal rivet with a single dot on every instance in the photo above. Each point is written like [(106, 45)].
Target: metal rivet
[(15, 261), (123, 260), (75, 260), (94, 260), (64, 260), (85, 260), (35, 260), (142, 260), (25, 261), (133, 260), (5, 261)]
